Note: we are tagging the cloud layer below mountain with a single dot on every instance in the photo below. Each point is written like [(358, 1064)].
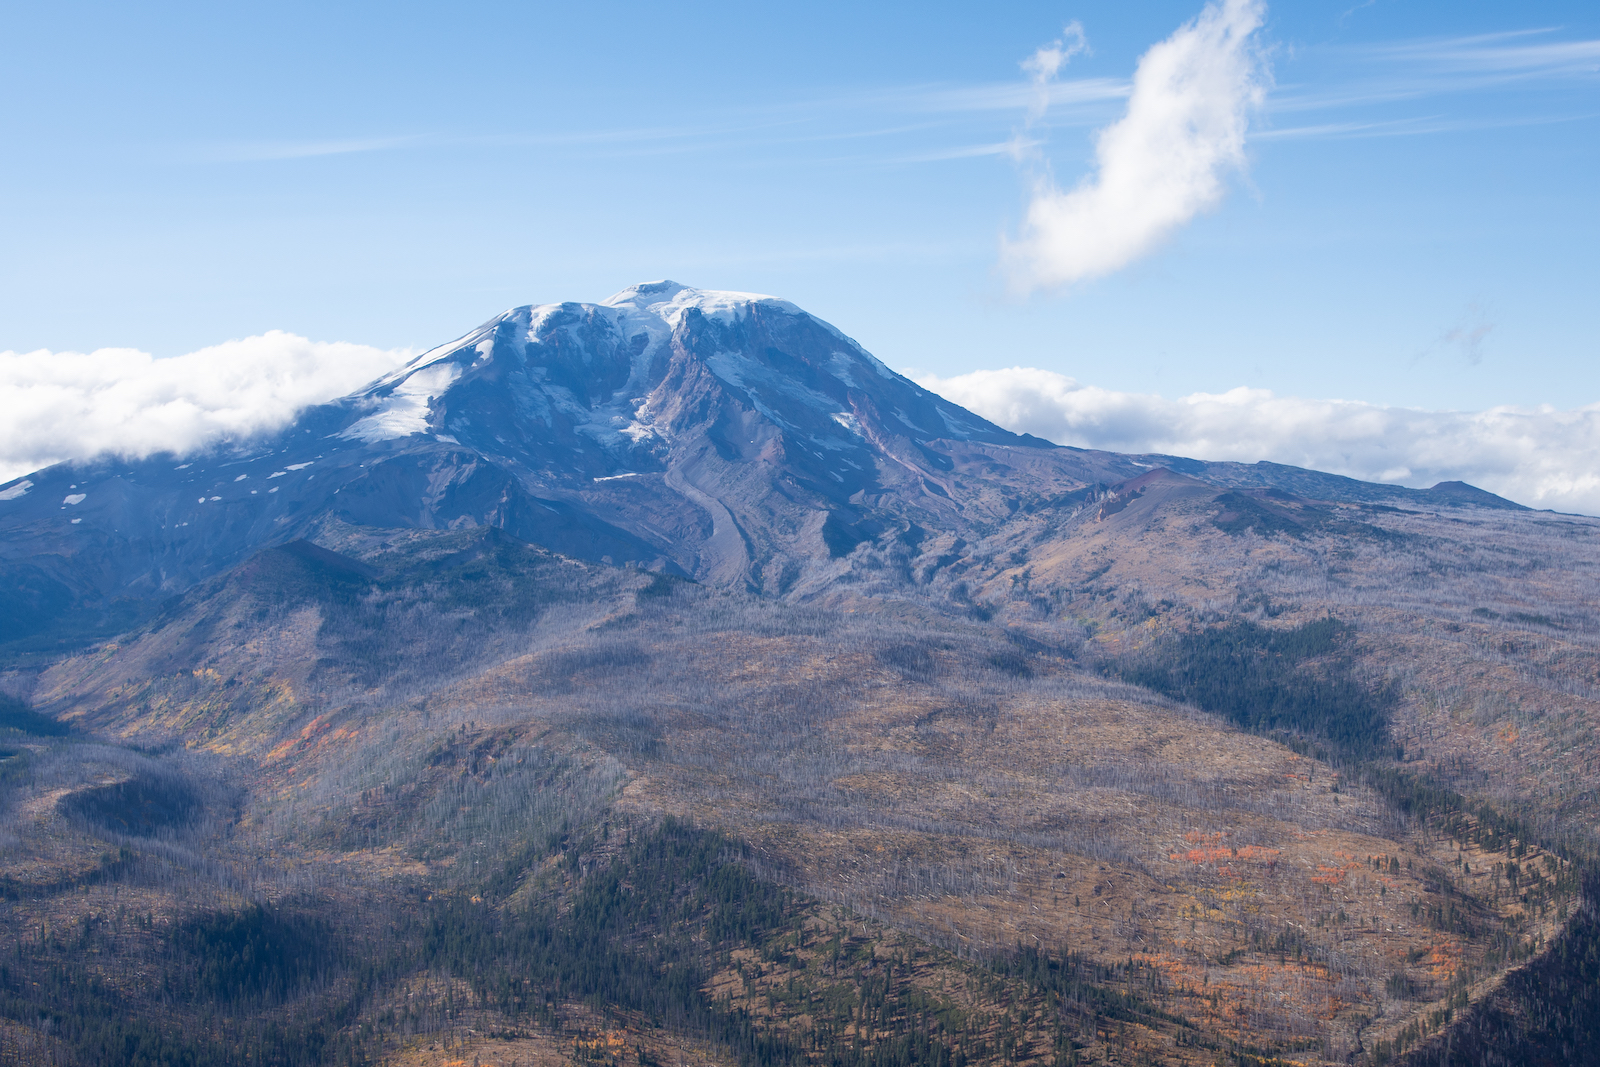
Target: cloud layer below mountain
[(1541, 457), (73, 405), (69, 405)]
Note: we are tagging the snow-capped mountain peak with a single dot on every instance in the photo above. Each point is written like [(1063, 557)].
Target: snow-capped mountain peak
[(640, 318), (728, 436), (598, 371), (668, 300), (708, 432)]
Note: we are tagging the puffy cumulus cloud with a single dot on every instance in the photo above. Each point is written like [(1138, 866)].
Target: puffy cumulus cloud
[(57, 406), (1160, 164), (1542, 457)]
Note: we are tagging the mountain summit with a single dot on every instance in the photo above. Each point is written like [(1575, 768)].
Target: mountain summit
[(728, 437), (683, 388)]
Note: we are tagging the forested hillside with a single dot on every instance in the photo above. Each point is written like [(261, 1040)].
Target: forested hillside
[(412, 797)]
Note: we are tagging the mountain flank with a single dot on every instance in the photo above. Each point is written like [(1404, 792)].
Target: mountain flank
[(726, 437), (665, 680)]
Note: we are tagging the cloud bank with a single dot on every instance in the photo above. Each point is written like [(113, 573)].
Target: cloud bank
[(1160, 164), (1541, 457), (57, 406)]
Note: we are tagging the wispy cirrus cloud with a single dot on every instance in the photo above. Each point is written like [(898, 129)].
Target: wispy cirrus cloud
[(58, 406), (1347, 92), (1348, 77), (1512, 53), (265, 151), (1432, 68), (1542, 457), (1001, 97)]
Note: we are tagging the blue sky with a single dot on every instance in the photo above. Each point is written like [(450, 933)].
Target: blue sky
[(1415, 222)]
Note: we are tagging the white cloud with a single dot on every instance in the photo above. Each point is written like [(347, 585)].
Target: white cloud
[(1159, 165), (73, 405), (1045, 64), (1541, 457)]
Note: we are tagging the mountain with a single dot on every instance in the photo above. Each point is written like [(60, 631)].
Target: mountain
[(727, 437), (665, 680)]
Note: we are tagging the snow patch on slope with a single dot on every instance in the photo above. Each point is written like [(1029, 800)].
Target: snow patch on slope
[(667, 301), (849, 422), (641, 319), (639, 432), (480, 341), (405, 410)]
